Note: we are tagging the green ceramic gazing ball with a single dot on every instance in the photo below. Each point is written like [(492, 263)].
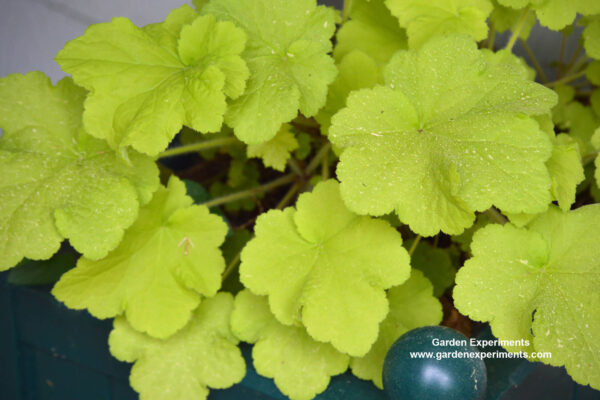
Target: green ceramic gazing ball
[(440, 377)]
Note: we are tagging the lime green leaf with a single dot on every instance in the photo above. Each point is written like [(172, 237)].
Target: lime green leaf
[(167, 259), (412, 305), (546, 124), (566, 94), (203, 354), (540, 283), (208, 44), (565, 167), (58, 182), (502, 274), (581, 123), (435, 147), (276, 151), (506, 18), (356, 71), (330, 276), (146, 83), (424, 19), (591, 38), (565, 170), (287, 56), (300, 366), (167, 32), (556, 14), (436, 265), (372, 30)]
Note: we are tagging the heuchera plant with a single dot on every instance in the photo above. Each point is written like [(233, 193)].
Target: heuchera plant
[(434, 134)]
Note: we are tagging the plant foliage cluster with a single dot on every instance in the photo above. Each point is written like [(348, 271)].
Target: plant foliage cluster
[(462, 174)]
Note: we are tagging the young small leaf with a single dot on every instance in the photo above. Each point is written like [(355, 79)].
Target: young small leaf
[(167, 259), (565, 170), (581, 122), (147, 82), (300, 366), (288, 42), (202, 355), (275, 152), (330, 276), (566, 94), (540, 283), (450, 134), (58, 182)]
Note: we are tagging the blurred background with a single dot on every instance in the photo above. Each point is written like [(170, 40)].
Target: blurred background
[(33, 31)]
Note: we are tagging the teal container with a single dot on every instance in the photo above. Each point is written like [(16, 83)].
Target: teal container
[(49, 352)]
